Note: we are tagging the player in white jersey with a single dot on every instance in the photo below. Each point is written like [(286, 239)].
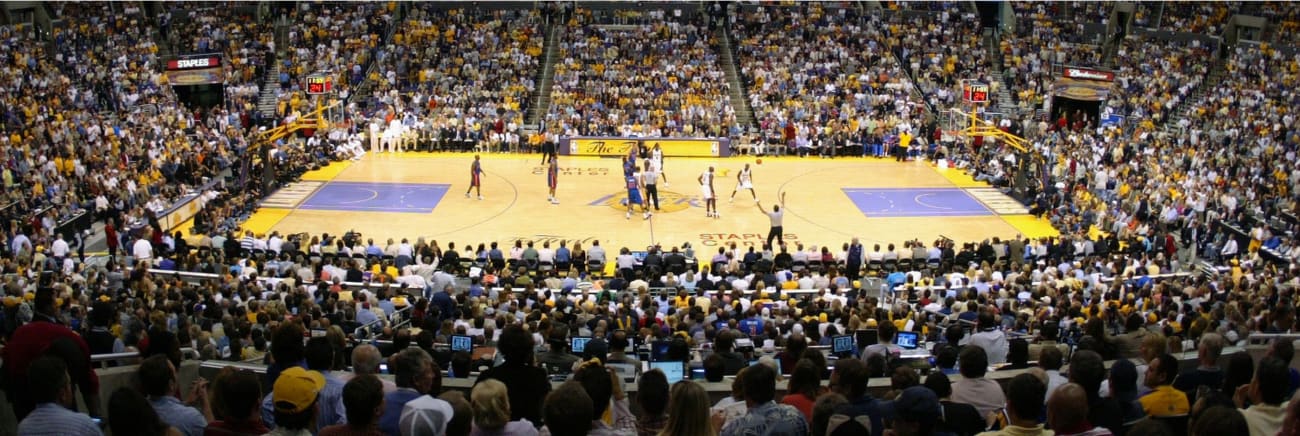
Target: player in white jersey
[(706, 191), (657, 155), (744, 180)]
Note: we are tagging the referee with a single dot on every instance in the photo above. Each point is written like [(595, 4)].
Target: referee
[(777, 231), (651, 177)]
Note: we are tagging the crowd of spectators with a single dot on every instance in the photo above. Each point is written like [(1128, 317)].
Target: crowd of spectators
[(1185, 16), (1155, 77), (940, 50), (462, 70), (1081, 298), (660, 79), (827, 78)]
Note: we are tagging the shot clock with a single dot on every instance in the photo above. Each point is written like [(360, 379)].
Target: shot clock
[(318, 84), (975, 92)]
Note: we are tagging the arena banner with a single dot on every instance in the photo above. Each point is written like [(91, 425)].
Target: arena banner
[(195, 70), (621, 146), (1082, 90)]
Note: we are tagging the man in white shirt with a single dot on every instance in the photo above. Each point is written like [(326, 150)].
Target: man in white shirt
[(275, 243), (1267, 394), (546, 254), (142, 250), (59, 248), (990, 338)]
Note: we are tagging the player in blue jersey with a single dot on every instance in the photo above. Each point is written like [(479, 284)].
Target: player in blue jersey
[(634, 188)]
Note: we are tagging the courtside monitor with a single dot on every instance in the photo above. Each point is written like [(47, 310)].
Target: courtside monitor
[(659, 351), (578, 344), (842, 344), (907, 340), (461, 343), (675, 371), (867, 338)]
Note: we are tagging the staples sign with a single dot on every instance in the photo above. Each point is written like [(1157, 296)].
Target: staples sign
[(186, 64), (1085, 74)]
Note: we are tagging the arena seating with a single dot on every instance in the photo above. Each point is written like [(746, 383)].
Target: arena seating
[(660, 79), (475, 66), (1179, 226)]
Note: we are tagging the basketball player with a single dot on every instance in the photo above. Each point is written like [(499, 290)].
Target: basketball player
[(475, 178), (706, 191), (552, 178), (651, 180), (634, 188), (744, 180), (657, 155)]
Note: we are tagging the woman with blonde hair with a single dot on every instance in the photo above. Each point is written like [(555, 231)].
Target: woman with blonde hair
[(491, 404), (688, 411)]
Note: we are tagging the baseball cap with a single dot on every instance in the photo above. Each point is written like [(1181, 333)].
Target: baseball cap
[(296, 389), (917, 403), (425, 415)]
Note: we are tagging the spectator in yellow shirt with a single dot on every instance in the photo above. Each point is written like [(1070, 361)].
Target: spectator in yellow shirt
[(1163, 400)]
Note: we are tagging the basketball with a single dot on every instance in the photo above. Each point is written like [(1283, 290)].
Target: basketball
[(758, 161)]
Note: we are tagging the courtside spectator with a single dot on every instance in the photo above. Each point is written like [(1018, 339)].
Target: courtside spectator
[(415, 374), (363, 398), (973, 388), (425, 415), (52, 399), (1164, 399), (915, 411), (237, 397), (129, 413), (1024, 404), (45, 334), (568, 410), (764, 415), (652, 396), (958, 418), (1266, 395), (365, 361), (1067, 412), (462, 414), (295, 395), (158, 379), (525, 382), (491, 409)]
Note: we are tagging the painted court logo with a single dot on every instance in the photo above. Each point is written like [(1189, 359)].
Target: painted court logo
[(668, 201)]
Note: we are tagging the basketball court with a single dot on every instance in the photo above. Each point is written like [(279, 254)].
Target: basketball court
[(829, 201)]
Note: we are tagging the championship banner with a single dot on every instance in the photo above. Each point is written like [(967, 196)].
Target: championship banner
[(195, 71), (619, 146)]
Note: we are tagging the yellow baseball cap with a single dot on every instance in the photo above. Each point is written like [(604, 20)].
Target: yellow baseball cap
[(296, 389)]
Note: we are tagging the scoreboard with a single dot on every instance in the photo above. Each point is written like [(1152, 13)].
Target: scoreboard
[(975, 92), (318, 84)]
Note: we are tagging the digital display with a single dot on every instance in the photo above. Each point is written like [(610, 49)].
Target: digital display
[(673, 370), (907, 340), (319, 84), (461, 343), (578, 344), (842, 344), (976, 93)]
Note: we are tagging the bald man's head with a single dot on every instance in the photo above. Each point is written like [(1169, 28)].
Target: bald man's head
[(366, 359), (1067, 408)]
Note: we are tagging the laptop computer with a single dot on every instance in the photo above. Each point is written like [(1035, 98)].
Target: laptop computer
[(907, 340), (462, 343), (674, 371), (625, 370), (578, 344), (842, 344)]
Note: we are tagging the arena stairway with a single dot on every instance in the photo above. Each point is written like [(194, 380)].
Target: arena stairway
[(546, 78), (266, 101), (1005, 104), (738, 91), (1184, 109)]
